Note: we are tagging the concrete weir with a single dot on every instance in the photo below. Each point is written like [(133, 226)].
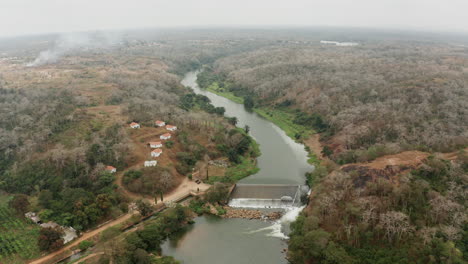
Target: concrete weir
[(266, 195)]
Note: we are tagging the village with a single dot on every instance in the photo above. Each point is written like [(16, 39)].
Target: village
[(156, 147)]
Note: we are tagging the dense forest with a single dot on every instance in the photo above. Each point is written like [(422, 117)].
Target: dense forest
[(406, 94), (421, 219)]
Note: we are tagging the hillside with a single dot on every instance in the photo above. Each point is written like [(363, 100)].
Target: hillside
[(400, 95), (65, 122), (404, 208), (391, 118)]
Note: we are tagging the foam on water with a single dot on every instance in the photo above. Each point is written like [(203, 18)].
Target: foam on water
[(277, 228)]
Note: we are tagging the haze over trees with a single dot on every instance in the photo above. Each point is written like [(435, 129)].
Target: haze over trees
[(63, 123), (411, 94)]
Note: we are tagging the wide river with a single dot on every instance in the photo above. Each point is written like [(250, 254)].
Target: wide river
[(234, 241)]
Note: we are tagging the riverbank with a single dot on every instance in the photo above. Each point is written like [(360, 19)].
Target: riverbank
[(250, 214), (283, 118)]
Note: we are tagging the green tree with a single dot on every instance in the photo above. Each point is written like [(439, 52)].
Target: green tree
[(140, 256), (20, 204), (249, 103), (103, 202), (327, 151), (217, 193), (232, 120), (334, 254), (50, 239), (144, 207), (45, 198)]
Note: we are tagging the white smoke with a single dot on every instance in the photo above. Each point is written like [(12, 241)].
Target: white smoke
[(72, 42)]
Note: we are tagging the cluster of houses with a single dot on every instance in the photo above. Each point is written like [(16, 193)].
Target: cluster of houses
[(156, 146), (69, 233)]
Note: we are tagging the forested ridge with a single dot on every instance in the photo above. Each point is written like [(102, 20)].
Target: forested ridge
[(409, 94), (63, 123), (367, 101)]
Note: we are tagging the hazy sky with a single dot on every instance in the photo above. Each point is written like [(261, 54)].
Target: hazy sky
[(18, 17)]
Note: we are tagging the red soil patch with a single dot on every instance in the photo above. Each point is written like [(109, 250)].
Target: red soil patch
[(406, 158), (313, 142)]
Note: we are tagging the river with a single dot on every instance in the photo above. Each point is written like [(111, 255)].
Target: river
[(232, 241)]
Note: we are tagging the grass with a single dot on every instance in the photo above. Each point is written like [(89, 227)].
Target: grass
[(18, 238), (214, 88), (245, 168), (283, 118)]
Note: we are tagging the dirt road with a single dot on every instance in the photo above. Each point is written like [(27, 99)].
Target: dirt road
[(52, 256), (185, 188)]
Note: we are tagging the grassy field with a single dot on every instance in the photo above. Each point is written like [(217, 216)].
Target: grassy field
[(18, 238), (214, 88), (245, 168), (284, 120)]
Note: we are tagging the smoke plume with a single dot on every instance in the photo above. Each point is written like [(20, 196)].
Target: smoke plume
[(72, 42)]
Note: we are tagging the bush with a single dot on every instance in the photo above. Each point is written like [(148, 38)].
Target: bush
[(198, 206), (169, 144), (85, 244), (217, 193), (221, 210)]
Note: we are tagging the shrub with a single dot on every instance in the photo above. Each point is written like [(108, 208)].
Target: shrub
[(169, 144), (85, 244)]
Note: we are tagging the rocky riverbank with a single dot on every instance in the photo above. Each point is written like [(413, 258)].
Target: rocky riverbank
[(250, 214)]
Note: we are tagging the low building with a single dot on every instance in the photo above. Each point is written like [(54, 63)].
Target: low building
[(160, 123), (49, 224), (155, 144), (33, 217), (134, 125), (171, 128), (69, 233), (150, 163), (156, 153), (165, 136), (111, 169)]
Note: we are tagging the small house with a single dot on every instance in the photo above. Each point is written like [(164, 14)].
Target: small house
[(69, 233), (171, 128), (155, 144), (160, 123), (156, 153), (33, 216), (134, 125), (165, 136), (49, 224), (111, 169), (150, 163)]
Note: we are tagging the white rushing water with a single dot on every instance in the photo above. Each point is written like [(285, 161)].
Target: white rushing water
[(259, 203), (277, 229)]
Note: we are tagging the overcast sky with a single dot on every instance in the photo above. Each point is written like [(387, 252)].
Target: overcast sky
[(19, 17)]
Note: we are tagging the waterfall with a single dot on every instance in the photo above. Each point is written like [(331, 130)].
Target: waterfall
[(280, 228), (262, 203)]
